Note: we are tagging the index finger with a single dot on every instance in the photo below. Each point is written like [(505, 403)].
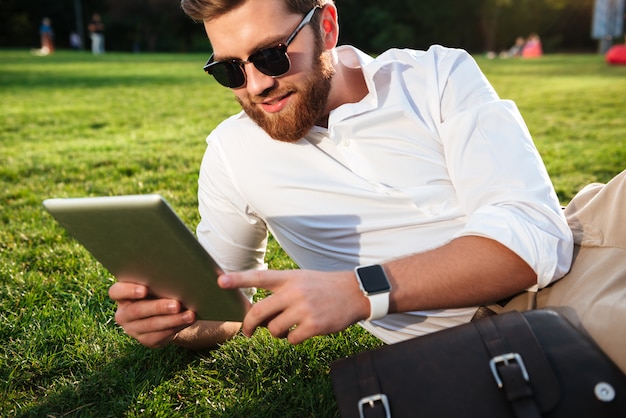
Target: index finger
[(264, 279), (127, 291)]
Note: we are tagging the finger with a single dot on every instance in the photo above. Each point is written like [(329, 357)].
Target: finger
[(299, 334), (159, 330), (127, 291), (281, 326), (159, 323), (270, 312), (129, 311), (264, 279), (159, 339)]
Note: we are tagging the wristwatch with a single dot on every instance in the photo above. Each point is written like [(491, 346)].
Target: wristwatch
[(376, 287)]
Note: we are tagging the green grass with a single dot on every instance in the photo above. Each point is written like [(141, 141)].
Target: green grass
[(574, 107), (73, 125)]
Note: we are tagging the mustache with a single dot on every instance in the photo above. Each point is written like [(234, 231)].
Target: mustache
[(270, 94)]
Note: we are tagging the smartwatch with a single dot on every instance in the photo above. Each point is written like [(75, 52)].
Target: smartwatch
[(375, 286)]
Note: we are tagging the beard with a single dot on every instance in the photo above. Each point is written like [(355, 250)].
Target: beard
[(307, 106)]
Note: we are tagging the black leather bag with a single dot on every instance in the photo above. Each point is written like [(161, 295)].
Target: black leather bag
[(531, 364)]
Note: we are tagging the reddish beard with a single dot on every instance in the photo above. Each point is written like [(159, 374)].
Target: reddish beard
[(307, 106)]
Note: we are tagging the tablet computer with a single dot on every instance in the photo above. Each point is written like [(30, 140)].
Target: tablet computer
[(139, 238)]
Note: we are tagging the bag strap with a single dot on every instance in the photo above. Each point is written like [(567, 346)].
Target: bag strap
[(375, 403), (508, 367)]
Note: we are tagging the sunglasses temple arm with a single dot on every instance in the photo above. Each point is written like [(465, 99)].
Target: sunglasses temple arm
[(302, 24)]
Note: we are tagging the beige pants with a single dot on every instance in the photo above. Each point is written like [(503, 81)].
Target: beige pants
[(593, 294)]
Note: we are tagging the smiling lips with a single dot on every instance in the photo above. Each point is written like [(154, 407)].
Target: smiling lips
[(275, 105)]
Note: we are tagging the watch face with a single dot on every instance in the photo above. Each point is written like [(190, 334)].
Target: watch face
[(373, 279)]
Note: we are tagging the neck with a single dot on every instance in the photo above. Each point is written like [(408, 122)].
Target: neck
[(348, 86)]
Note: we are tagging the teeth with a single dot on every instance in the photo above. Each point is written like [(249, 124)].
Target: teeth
[(276, 100)]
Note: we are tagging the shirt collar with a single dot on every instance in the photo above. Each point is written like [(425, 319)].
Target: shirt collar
[(352, 57)]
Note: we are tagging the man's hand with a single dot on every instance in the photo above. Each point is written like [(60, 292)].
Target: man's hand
[(152, 322), (303, 303), (467, 271)]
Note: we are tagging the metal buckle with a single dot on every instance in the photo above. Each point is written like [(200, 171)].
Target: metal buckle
[(370, 400), (506, 359)]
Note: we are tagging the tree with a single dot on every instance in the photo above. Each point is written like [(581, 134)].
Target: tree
[(490, 12), (149, 24), (476, 25)]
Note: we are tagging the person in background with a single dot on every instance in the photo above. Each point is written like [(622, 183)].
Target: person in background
[(616, 55), (515, 50), (406, 190), (532, 47), (96, 33), (47, 37), (75, 41)]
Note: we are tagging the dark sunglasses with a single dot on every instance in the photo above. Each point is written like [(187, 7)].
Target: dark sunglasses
[(272, 61)]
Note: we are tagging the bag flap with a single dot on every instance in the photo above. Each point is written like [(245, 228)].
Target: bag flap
[(448, 373)]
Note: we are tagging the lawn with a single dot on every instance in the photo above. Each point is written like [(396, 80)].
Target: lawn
[(72, 124)]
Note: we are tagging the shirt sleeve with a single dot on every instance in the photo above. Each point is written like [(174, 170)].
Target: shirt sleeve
[(500, 179), (228, 228)]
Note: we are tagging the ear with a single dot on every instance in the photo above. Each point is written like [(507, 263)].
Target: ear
[(329, 26)]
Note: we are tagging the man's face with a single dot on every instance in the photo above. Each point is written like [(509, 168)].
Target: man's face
[(286, 107)]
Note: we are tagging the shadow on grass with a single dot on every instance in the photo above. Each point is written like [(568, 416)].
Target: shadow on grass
[(67, 70), (112, 389), (558, 65)]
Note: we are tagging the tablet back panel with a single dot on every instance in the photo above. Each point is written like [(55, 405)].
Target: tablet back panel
[(140, 239)]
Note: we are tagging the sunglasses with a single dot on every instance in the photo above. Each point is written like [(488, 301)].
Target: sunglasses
[(273, 61)]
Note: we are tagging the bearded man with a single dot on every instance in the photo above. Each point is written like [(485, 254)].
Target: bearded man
[(406, 190)]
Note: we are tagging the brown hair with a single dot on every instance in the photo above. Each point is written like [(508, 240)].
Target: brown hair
[(200, 10)]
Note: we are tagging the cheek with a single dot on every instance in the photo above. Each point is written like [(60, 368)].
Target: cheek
[(300, 63), (241, 94)]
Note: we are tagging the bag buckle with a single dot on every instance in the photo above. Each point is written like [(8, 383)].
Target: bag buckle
[(507, 359), (369, 401)]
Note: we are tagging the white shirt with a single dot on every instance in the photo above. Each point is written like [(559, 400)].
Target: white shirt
[(430, 154)]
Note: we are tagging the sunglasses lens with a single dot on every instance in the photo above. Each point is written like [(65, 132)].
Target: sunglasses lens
[(228, 74), (271, 61)]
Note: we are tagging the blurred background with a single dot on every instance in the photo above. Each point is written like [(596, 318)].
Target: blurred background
[(475, 25)]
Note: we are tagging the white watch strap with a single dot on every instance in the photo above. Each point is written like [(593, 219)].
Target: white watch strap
[(379, 305)]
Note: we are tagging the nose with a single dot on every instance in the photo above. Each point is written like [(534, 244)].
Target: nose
[(256, 81)]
